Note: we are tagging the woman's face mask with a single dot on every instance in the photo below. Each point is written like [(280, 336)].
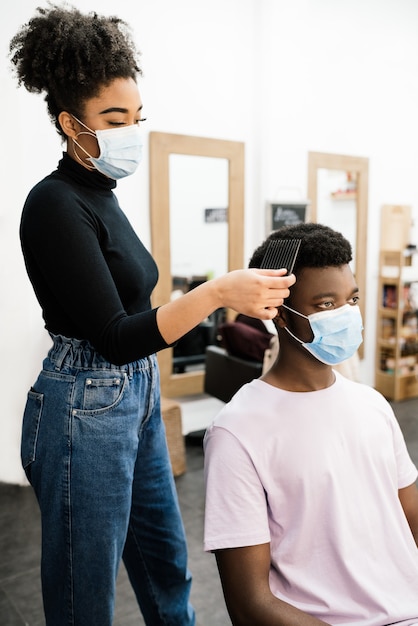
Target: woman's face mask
[(337, 334), (120, 150)]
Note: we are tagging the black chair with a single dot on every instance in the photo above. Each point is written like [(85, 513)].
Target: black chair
[(225, 374)]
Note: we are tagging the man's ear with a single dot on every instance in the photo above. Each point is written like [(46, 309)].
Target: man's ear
[(280, 319), (68, 124)]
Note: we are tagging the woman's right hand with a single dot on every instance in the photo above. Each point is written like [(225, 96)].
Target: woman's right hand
[(254, 292)]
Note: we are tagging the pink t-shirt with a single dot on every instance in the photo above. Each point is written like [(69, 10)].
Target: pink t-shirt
[(317, 475)]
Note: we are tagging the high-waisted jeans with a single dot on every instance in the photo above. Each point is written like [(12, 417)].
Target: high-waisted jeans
[(95, 452)]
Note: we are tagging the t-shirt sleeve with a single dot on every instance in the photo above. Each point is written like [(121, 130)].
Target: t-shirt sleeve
[(236, 505), (407, 471)]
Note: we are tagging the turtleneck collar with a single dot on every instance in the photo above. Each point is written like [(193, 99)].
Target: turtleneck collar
[(88, 178)]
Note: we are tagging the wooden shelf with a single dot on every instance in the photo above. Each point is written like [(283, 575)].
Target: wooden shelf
[(344, 195), (396, 372)]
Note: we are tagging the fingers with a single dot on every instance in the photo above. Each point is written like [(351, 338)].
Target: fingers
[(278, 290), (254, 292), (284, 282), (270, 272)]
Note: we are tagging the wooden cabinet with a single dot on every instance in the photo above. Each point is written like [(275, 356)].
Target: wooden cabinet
[(397, 326)]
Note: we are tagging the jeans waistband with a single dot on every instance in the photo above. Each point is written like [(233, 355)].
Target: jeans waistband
[(80, 354)]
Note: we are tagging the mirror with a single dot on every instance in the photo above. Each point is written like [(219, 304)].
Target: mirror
[(178, 208), (198, 225), (338, 194)]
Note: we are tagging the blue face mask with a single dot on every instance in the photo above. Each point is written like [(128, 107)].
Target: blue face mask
[(337, 333), (120, 150)]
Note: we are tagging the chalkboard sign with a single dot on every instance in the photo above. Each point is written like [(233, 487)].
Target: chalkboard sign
[(285, 214), (216, 215)]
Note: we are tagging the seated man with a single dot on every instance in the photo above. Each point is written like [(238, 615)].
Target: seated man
[(311, 506)]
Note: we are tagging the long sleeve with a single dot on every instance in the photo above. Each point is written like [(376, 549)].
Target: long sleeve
[(91, 274)]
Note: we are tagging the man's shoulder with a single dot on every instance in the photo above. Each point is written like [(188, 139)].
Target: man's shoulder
[(357, 387)]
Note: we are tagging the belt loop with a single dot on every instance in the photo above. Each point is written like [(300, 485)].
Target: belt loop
[(130, 371), (64, 351)]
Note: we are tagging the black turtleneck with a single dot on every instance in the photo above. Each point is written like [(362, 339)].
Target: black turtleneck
[(91, 274)]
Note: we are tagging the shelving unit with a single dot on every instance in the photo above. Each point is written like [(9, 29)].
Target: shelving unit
[(397, 326), (344, 195)]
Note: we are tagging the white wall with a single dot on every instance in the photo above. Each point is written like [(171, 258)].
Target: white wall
[(341, 76), (284, 77)]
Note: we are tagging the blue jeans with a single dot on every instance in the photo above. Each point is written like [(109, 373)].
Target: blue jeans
[(95, 452)]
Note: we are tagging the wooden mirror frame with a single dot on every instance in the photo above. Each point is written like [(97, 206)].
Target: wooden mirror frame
[(161, 146), (360, 165)]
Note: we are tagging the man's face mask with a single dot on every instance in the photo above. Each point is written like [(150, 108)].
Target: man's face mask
[(120, 150), (337, 333)]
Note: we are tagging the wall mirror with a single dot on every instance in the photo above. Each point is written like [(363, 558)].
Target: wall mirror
[(338, 194), (197, 227)]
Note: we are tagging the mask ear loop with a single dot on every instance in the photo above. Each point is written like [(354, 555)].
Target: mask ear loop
[(293, 311), (83, 132), (287, 328), (90, 133), (289, 332)]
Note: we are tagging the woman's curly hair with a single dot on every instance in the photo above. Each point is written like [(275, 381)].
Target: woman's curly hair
[(71, 56), (321, 246)]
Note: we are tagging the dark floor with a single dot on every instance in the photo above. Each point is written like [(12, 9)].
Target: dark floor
[(20, 592)]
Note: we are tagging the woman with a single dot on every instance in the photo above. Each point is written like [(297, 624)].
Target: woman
[(93, 442)]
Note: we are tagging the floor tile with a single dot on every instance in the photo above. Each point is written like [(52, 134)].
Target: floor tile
[(8, 613)]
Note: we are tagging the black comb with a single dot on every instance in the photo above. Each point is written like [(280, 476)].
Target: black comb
[(281, 253)]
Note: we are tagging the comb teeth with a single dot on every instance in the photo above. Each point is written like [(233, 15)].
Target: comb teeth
[(281, 253)]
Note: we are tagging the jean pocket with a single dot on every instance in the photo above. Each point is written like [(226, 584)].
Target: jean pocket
[(30, 427), (102, 394)]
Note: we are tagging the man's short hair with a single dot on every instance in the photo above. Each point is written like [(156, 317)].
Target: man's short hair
[(321, 246)]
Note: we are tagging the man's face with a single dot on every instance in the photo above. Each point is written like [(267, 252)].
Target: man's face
[(315, 290)]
